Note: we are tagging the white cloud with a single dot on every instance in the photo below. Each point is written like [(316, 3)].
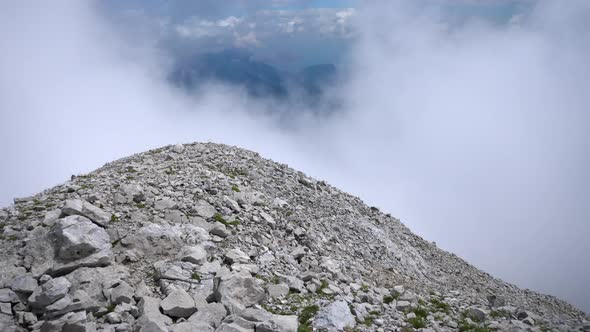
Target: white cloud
[(229, 22), (247, 40)]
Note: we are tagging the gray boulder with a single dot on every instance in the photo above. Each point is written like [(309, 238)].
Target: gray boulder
[(237, 256), (204, 209), (122, 292), (151, 319), (194, 254), (24, 284), (191, 327), (8, 296), (277, 291), (178, 304), (334, 317), (83, 208), (238, 292), (78, 242), (49, 292), (212, 314)]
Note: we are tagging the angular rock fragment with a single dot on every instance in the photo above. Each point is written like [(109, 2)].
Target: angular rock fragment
[(49, 292), (335, 317), (150, 318), (178, 304), (238, 292), (24, 284), (85, 209)]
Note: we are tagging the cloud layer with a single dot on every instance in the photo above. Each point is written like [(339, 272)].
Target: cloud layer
[(475, 134)]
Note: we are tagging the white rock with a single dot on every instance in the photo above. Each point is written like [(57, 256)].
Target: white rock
[(24, 284), (83, 208), (178, 148), (194, 254), (334, 317), (49, 292), (178, 304), (237, 292)]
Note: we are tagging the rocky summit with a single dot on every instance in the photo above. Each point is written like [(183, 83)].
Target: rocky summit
[(207, 237)]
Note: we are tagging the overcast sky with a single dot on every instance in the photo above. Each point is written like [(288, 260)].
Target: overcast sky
[(467, 120)]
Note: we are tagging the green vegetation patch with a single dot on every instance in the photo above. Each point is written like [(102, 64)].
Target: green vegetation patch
[(308, 313)]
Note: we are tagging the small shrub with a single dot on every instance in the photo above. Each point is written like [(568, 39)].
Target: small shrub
[(235, 188), (304, 328), (308, 313), (323, 285), (111, 307), (196, 276), (219, 218), (440, 305), (417, 322), (140, 205), (388, 299), (420, 312), (114, 218), (369, 321)]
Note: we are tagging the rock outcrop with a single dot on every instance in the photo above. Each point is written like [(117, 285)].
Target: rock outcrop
[(207, 237)]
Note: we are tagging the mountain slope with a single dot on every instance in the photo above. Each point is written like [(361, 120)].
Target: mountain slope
[(207, 237)]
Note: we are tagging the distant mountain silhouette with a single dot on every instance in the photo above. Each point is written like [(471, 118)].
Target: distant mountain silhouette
[(260, 79)]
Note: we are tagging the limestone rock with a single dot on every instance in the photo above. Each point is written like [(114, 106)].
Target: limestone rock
[(24, 284), (194, 254), (237, 292), (151, 319), (79, 242), (49, 292), (335, 317), (212, 314), (85, 209), (178, 304)]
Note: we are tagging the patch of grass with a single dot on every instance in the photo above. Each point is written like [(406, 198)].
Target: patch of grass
[(308, 313), (464, 326), (369, 321), (417, 322), (235, 188), (304, 328), (420, 312), (219, 218), (140, 205), (111, 307), (130, 169), (499, 314), (365, 287), (440, 305), (323, 285), (375, 312), (388, 299), (196, 276), (114, 218), (276, 311), (12, 238)]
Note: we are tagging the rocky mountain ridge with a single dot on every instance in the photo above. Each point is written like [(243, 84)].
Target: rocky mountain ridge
[(207, 237)]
